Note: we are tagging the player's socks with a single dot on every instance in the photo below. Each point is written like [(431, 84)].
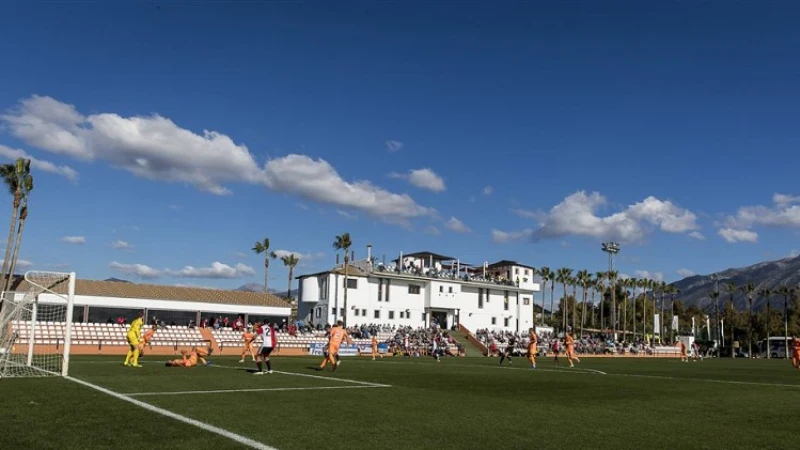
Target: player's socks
[(269, 366), (135, 361)]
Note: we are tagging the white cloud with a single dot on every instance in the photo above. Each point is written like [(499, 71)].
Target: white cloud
[(39, 164), (300, 256), (139, 270), (217, 270), (488, 190), (685, 273), (733, 235), (432, 230), (393, 145), (346, 214), (658, 276), (23, 264), (697, 235), (74, 239), (240, 254), (503, 237), (423, 179), (577, 215), (784, 199), (122, 245), (318, 181), (526, 213), (155, 148), (456, 225)]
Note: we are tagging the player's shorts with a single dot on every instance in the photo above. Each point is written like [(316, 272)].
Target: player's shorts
[(532, 351), (133, 341), (265, 351)]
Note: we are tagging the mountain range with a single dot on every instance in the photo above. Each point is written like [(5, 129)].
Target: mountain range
[(695, 290), (258, 287)]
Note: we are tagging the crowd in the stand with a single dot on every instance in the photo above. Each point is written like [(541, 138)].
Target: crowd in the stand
[(588, 344)]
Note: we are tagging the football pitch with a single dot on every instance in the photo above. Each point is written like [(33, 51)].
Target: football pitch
[(415, 403)]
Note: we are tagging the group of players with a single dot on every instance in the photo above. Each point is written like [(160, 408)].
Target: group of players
[(336, 335)]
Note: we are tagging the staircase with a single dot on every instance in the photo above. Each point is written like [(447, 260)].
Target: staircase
[(467, 340)]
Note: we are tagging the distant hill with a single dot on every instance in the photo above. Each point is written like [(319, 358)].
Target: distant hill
[(258, 287), (770, 274), (116, 280)]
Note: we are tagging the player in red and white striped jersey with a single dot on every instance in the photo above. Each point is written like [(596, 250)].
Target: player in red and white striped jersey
[(269, 341)]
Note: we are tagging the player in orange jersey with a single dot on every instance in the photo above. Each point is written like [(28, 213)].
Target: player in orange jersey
[(147, 337), (337, 335), (248, 337), (532, 347), (569, 342), (684, 356), (375, 348), (195, 355), (796, 354)]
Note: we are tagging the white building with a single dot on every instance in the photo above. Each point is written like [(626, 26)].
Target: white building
[(424, 288)]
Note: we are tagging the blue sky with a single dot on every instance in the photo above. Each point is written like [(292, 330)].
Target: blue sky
[(518, 131)]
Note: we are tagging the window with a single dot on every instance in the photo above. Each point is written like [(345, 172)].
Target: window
[(505, 322), (480, 297), (494, 320), (352, 283), (526, 301), (341, 312), (364, 313), (441, 288), (413, 289), (323, 287), (450, 289), (377, 313), (388, 283), (319, 312), (516, 271), (380, 289), (526, 272), (423, 317), (402, 314), (356, 313), (333, 312), (505, 300), (391, 315)]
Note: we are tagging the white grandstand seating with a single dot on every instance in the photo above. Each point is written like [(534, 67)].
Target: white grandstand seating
[(106, 334)]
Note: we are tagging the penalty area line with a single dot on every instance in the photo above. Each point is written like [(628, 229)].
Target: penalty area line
[(196, 423), (227, 391), (296, 374)]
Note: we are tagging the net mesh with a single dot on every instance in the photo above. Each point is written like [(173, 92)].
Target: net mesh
[(33, 326)]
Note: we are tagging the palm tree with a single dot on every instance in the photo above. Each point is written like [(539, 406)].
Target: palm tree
[(632, 283), (672, 291), (573, 281), (563, 276), (786, 292), (599, 286), (748, 289), (13, 176), (27, 187), (290, 261), (612, 284), (766, 294), (662, 288), (546, 276), (731, 288), (263, 247), (343, 242), (585, 280), (714, 296)]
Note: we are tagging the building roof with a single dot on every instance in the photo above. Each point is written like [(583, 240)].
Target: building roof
[(506, 263), (351, 272), (96, 288), (436, 256)]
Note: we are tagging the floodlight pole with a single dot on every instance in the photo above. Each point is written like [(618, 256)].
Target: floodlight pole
[(612, 248)]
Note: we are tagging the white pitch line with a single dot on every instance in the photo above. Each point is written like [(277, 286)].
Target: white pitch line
[(344, 380), (226, 391), (707, 380), (202, 425), (580, 371)]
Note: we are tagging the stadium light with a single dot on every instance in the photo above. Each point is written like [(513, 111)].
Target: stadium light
[(612, 248)]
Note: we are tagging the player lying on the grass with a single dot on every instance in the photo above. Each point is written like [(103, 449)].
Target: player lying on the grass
[(248, 336), (134, 337), (337, 335), (147, 337), (269, 341), (195, 355)]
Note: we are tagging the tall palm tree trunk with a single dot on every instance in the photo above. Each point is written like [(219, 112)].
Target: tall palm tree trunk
[(634, 315), (552, 299), (10, 241), (661, 319), (594, 324), (22, 217), (266, 272), (289, 287), (344, 317), (544, 290), (574, 304), (750, 328), (583, 308)]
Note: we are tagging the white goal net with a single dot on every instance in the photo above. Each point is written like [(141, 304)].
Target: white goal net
[(36, 326)]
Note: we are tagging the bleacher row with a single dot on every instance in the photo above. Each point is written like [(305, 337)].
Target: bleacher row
[(226, 337), (103, 334)]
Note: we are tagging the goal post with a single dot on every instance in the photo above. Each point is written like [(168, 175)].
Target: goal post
[(36, 326)]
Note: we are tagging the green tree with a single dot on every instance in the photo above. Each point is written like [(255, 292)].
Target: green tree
[(563, 276), (290, 261), (585, 280), (25, 185), (547, 275), (263, 247), (748, 290), (13, 177)]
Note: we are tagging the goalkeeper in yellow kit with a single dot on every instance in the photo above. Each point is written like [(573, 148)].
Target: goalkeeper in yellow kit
[(134, 338)]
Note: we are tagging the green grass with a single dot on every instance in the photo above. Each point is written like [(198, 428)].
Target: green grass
[(456, 404)]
